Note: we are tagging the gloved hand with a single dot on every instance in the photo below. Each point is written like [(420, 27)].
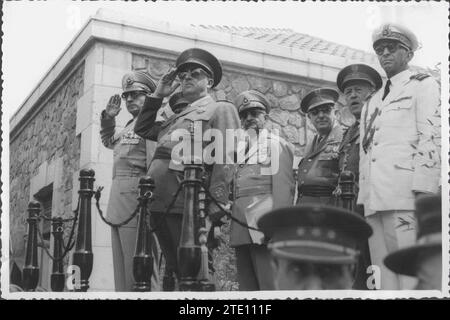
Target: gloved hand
[(215, 234)]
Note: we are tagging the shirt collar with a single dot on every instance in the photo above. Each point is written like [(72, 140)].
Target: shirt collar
[(401, 77)]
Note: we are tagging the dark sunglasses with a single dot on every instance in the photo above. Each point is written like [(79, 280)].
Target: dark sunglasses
[(133, 94), (392, 47), (195, 74), (253, 112), (316, 111)]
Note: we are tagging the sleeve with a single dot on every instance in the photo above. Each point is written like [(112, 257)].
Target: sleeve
[(427, 159), (225, 117), (107, 130), (283, 183), (146, 126)]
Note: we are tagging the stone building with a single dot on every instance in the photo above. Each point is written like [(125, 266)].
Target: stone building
[(55, 133)]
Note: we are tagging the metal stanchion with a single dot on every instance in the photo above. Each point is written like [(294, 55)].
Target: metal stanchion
[(83, 257), (31, 269)]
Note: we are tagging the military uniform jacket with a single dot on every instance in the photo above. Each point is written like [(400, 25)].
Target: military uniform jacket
[(259, 189), (404, 152), (349, 151), (130, 163), (167, 173), (318, 171)]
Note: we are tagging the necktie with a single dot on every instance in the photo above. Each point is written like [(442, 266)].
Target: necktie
[(386, 89), (319, 140)]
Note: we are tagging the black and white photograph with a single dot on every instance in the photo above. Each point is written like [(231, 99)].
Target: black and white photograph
[(225, 150)]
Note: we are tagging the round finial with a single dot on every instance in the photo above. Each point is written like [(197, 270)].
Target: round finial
[(146, 180), (34, 205), (87, 172), (347, 176)]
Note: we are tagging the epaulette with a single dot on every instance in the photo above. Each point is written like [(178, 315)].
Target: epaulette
[(419, 76)]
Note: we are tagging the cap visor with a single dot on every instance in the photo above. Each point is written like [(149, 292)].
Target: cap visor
[(403, 261), (314, 255)]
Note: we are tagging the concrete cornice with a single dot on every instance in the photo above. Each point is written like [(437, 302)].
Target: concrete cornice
[(167, 37)]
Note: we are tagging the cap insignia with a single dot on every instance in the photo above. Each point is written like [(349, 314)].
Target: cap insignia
[(386, 30), (300, 231)]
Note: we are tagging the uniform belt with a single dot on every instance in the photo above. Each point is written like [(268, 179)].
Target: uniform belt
[(316, 191), (162, 153), (252, 190)]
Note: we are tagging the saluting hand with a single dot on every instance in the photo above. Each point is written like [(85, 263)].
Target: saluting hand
[(113, 107), (167, 84)]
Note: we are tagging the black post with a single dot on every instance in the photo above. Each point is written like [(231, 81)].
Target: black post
[(57, 278), (31, 269), (189, 251), (143, 260), (204, 283), (83, 257), (347, 186)]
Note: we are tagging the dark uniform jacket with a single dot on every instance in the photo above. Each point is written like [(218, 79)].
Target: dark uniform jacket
[(318, 171), (130, 163), (349, 150), (349, 158), (257, 192), (167, 173)]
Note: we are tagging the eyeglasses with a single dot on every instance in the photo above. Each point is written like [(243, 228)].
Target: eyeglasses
[(132, 94), (253, 112), (195, 74), (316, 111), (391, 46)]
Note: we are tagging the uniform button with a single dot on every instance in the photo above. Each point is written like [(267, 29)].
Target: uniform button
[(241, 165), (373, 160), (305, 170), (377, 128), (309, 160), (375, 143)]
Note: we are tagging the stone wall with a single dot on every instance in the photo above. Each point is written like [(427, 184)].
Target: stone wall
[(47, 138), (284, 94)]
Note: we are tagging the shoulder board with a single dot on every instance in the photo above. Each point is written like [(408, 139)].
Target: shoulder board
[(419, 76)]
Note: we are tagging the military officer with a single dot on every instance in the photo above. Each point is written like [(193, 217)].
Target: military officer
[(318, 170), (197, 71), (423, 260), (400, 142), (314, 246), (257, 191), (356, 82), (131, 154)]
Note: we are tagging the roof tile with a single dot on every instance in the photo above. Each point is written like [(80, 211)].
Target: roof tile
[(290, 38)]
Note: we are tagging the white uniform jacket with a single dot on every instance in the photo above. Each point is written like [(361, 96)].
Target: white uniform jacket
[(403, 154)]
